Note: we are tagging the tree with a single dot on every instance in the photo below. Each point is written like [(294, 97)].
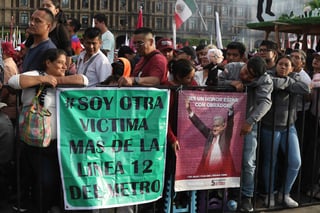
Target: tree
[(314, 4)]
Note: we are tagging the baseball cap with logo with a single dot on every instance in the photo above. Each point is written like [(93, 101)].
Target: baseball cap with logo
[(164, 44)]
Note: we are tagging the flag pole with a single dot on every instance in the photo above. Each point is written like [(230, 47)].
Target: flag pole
[(218, 32), (201, 17), (11, 29), (174, 35)]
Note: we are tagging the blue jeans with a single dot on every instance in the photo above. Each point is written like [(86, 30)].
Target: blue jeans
[(249, 162), (293, 156)]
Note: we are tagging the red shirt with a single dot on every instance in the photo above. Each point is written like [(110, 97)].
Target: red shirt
[(153, 64)]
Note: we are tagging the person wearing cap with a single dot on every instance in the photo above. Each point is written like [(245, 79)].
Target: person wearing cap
[(186, 52), (165, 45), (127, 52), (151, 70)]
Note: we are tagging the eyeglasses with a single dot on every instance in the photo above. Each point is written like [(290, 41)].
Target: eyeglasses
[(264, 50), (138, 44)]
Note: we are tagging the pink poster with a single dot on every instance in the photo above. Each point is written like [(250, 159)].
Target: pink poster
[(208, 131)]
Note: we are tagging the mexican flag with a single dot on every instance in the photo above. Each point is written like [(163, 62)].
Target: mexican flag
[(183, 10)]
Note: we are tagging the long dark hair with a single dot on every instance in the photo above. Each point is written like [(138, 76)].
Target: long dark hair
[(181, 68)]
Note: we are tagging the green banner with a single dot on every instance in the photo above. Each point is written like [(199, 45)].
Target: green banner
[(111, 144)]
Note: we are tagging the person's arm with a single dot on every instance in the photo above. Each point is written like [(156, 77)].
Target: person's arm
[(22, 81), (223, 78), (196, 121), (262, 106), (172, 139), (291, 84), (76, 79), (143, 81), (9, 71)]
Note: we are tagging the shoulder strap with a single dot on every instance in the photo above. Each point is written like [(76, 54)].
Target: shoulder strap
[(88, 63), (148, 59)]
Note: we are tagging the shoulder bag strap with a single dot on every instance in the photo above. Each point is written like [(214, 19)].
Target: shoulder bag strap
[(88, 63), (146, 61)]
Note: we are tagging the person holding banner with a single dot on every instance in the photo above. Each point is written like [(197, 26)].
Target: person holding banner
[(259, 86), (216, 157), (42, 163)]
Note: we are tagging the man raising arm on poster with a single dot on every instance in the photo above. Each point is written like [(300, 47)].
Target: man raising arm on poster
[(151, 70), (216, 157)]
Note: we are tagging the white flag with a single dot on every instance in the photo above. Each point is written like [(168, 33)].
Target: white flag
[(126, 42), (218, 32)]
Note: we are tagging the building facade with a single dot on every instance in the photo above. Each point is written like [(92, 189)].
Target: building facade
[(157, 14)]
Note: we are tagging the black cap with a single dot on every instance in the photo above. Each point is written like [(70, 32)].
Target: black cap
[(189, 51), (125, 50)]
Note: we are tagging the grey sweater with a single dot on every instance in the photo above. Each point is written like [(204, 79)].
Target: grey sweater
[(258, 98), (284, 100)]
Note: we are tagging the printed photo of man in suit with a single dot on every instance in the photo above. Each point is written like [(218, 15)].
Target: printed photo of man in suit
[(216, 157)]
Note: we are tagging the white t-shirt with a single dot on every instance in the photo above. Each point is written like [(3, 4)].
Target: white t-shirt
[(108, 43)]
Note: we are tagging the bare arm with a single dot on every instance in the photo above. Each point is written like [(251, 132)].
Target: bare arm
[(27, 81), (76, 79), (143, 81)]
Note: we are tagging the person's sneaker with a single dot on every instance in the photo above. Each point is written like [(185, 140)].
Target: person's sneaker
[(246, 205), (19, 209), (288, 201), (266, 201)]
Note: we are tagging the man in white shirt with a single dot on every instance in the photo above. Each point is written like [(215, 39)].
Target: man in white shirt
[(108, 42), (92, 62)]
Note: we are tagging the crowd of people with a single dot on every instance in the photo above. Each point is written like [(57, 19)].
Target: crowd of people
[(281, 96)]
